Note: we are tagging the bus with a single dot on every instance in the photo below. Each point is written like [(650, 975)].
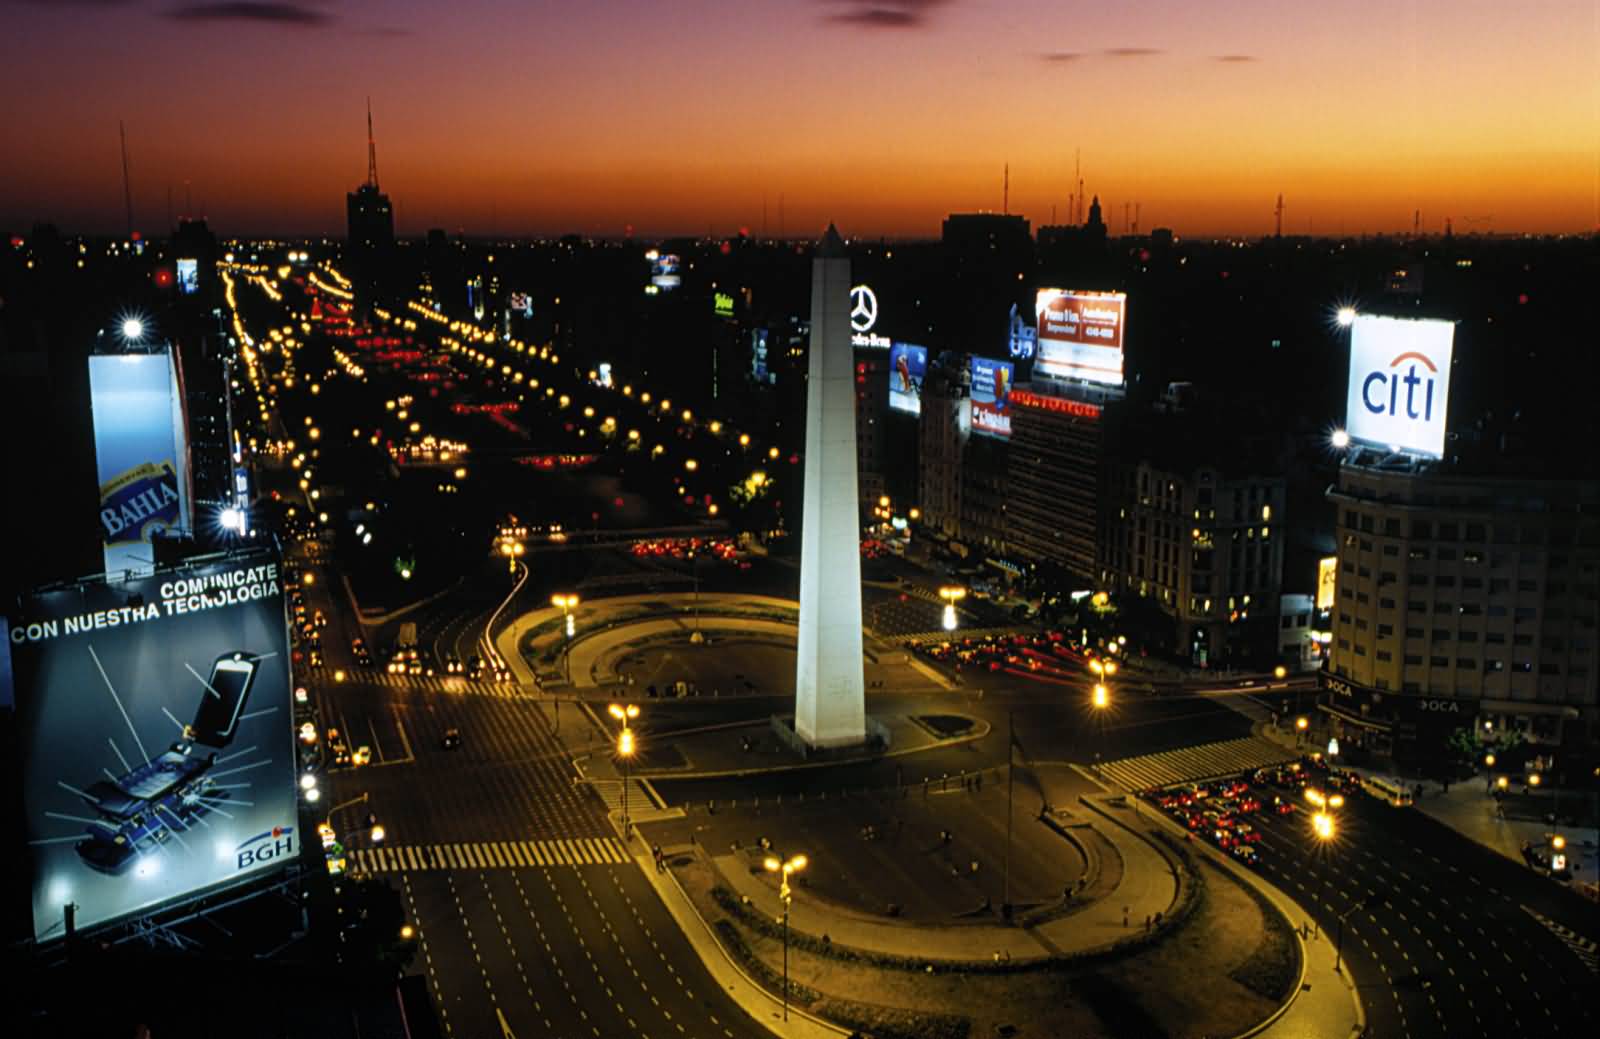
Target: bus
[(1393, 791)]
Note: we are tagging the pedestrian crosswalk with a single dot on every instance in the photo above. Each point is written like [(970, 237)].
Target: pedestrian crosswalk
[(572, 851), (1191, 764), (641, 799), (1583, 948), (442, 684), (940, 635)]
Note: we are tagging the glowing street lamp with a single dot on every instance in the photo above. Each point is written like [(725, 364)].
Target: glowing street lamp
[(1322, 826), (951, 594), (626, 747), (793, 865), (1102, 696)]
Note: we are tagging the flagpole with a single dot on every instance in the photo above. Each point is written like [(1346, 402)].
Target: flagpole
[(1011, 782)]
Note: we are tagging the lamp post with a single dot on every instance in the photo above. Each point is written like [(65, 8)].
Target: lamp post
[(625, 751), (1301, 724), (1488, 774), (793, 865), (951, 594), (567, 603)]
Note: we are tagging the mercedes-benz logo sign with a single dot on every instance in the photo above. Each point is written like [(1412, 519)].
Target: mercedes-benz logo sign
[(863, 309)]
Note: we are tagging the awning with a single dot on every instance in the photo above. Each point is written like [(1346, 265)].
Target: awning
[(1356, 719), (1522, 707)]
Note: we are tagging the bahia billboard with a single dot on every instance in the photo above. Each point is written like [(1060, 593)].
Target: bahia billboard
[(1399, 388), (991, 397), (141, 454), (156, 737), (1080, 335), (907, 365)]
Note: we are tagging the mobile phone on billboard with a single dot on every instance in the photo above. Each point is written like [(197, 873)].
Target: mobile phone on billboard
[(220, 706)]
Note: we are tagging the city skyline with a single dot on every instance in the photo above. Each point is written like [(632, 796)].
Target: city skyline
[(883, 116)]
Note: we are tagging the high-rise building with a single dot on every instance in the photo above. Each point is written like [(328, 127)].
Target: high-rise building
[(368, 212), (1194, 524), (1053, 475), (1464, 599), (945, 424)]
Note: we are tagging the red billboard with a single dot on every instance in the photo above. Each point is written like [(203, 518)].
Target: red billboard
[(1080, 334)]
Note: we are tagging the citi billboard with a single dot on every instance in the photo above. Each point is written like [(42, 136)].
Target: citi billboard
[(1399, 389)]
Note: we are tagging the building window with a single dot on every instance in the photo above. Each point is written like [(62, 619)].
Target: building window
[(1441, 634), (1413, 659), (1522, 667), (1494, 638), (1445, 581), (1526, 613), (1471, 609), (1446, 555), (1417, 579), (1344, 643), (1385, 630), (1385, 656), (1439, 661), (1467, 636), (1386, 604), (1522, 640), (1444, 607), (1494, 665), (1361, 650), (1361, 624), (1413, 633), (1466, 664), (1416, 606), (1448, 532), (1391, 550), (1547, 667), (1526, 585), (1417, 553), (1472, 582), (1363, 572), (1472, 557), (1421, 529)]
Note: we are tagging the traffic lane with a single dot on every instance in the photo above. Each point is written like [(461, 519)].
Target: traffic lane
[(448, 954), (636, 920), (1464, 947)]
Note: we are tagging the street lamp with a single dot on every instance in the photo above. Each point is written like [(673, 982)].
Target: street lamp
[(567, 603), (1102, 695), (951, 594), (793, 865), (625, 751), (1301, 724)]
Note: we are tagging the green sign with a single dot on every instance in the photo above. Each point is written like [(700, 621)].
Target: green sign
[(723, 304)]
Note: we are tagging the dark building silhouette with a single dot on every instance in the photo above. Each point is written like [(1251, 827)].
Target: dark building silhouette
[(369, 220)]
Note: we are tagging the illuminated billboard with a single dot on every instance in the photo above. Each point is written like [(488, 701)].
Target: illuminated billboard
[(664, 272), (1327, 575), (1080, 335), (722, 304), (760, 368), (1399, 388), (991, 396), (141, 454), (864, 318), (188, 277), (157, 754), (907, 364)]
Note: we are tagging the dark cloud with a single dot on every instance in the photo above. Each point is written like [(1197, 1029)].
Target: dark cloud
[(1061, 57), (883, 14), (1131, 52), (280, 13), (1235, 59)]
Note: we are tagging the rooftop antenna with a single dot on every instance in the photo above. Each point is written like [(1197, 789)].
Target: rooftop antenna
[(1005, 193), (1136, 207), (372, 149), (1077, 216), (127, 188), (1278, 213), (1127, 223), (1416, 224)]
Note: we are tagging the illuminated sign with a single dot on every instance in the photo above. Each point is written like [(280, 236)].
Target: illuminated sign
[(907, 364), (1076, 408), (1399, 388), (188, 277), (1327, 573), (1080, 334), (141, 454), (722, 303), (991, 397), (159, 760), (521, 301), (664, 276), (759, 367), (864, 317)]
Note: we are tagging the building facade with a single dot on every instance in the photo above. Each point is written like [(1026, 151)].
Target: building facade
[(1463, 600), (1053, 475), (1202, 545)]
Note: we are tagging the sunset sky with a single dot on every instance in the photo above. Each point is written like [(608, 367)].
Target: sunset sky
[(686, 116)]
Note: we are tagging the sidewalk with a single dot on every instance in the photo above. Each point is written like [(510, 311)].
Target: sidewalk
[(1469, 810)]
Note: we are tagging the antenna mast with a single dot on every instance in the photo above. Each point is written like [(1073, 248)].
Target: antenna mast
[(1278, 213), (1005, 193), (372, 150), (127, 188)]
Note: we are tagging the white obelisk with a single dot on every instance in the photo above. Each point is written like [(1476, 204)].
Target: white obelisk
[(830, 692)]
